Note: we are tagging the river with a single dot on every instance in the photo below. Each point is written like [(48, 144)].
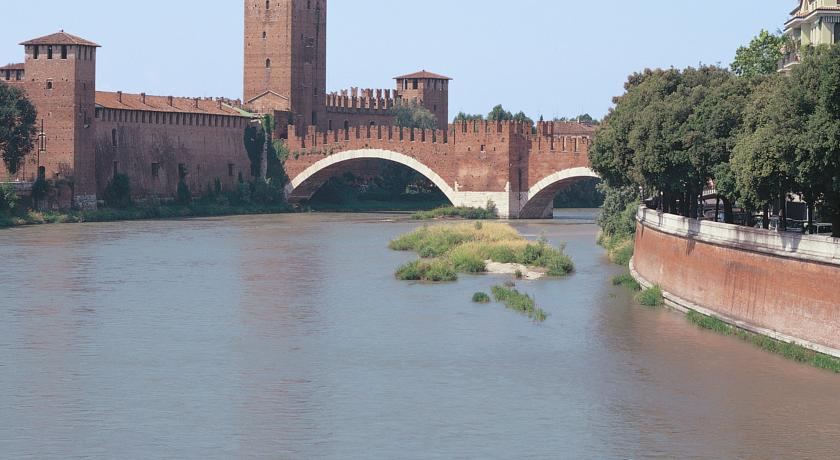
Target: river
[(288, 337)]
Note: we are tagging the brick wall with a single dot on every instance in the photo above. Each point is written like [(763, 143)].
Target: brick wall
[(783, 283), (149, 152)]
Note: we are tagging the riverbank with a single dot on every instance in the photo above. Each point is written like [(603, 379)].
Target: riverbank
[(140, 212)]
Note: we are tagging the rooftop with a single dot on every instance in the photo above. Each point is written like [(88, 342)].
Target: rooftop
[(12, 67), (59, 38), (125, 101), (423, 74)]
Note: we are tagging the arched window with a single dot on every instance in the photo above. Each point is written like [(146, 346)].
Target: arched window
[(267, 4), (268, 63), (114, 137)]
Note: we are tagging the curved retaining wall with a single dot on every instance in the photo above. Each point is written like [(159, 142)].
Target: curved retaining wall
[(786, 286)]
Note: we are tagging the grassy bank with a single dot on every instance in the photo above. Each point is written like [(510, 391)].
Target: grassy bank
[(788, 350), (466, 248), (374, 206), (519, 302), (620, 248), (452, 212), (140, 212)]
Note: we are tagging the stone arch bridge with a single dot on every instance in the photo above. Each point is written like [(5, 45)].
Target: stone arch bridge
[(516, 167)]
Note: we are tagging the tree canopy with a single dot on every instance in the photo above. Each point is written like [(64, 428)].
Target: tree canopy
[(17, 126), (410, 114), (761, 56)]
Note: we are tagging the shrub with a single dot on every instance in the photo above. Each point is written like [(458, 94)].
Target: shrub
[(468, 263), (651, 297), (266, 192), (457, 212), (8, 199), (518, 274), (118, 192), (41, 189), (481, 297), (184, 196), (431, 271)]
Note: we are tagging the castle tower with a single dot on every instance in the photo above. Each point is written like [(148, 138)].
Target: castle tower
[(429, 90), (286, 58), (60, 80)]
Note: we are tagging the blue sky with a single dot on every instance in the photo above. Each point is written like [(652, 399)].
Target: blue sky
[(551, 58)]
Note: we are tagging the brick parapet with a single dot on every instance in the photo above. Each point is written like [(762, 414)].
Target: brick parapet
[(776, 284)]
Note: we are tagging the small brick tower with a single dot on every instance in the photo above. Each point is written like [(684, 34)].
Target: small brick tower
[(429, 90), (286, 58), (60, 79)]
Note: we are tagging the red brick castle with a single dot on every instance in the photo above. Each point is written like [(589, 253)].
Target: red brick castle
[(87, 136)]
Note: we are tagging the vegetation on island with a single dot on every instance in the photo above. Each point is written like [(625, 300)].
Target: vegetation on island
[(466, 248), (459, 212), (481, 297), (519, 302)]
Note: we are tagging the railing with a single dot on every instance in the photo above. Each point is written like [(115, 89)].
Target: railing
[(788, 60)]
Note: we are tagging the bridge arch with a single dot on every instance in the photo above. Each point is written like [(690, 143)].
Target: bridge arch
[(305, 184), (540, 197)]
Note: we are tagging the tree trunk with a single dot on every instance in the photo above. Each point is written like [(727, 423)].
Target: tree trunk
[(810, 217), (728, 212)]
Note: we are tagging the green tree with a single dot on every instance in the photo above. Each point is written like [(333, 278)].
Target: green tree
[(761, 57), (410, 114), (763, 160), (17, 126), (468, 117), (254, 142), (814, 93)]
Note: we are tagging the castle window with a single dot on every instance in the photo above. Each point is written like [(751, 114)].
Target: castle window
[(8, 75), (49, 52), (267, 4), (230, 169), (49, 84), (36, 51), (19, 75), (264, 34), (114, 137), (415, 83), (309, 4), (268, 63), (182, 171), (63, 51), (155, 170)]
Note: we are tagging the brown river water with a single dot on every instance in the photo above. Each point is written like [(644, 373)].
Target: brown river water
[(288, 337)]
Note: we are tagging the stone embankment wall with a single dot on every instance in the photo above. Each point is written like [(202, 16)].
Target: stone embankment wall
[(777, 284)]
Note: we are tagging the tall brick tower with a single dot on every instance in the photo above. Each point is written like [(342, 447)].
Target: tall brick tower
[(429, 90), (286, 58), (60, 80)]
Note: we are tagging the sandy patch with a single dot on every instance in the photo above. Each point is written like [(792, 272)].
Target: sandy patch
[(528, 273)]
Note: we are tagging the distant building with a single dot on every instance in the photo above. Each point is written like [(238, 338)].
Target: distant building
[(813, 22)]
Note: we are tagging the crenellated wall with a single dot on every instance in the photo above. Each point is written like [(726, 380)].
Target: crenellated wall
[(505, 162), (777, 284)]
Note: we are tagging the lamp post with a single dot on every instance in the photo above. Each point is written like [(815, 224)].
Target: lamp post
[(42, 148)]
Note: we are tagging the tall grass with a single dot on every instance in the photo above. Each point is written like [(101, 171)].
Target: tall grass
[(651, 297), (434, 271), (519, 302), (792, 351), (620, 248), (627, 281), (468, 246)]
